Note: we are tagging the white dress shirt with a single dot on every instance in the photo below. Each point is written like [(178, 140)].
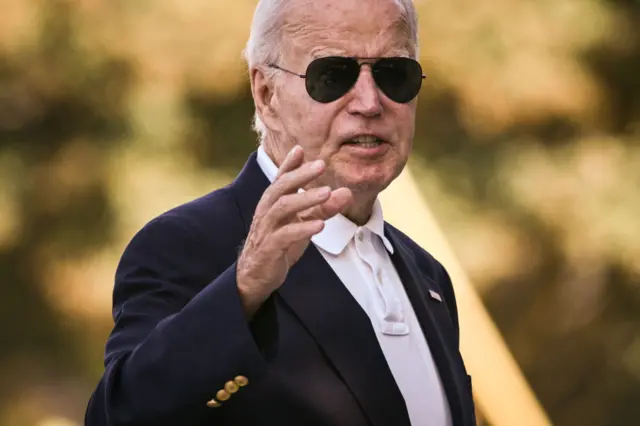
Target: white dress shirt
[(358, 255)]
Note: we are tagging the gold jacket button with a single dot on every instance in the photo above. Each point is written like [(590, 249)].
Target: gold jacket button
[(241, 381), (213, 404), (223, 395), (231, 387)]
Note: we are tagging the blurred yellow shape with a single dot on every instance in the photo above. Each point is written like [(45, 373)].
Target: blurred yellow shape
[(57, 421)]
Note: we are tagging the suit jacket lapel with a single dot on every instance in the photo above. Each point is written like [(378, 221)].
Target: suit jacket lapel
[(433, 318), (345, 334)]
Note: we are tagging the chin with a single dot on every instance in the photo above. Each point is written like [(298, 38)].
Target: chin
[(364, 178), (371, 185)]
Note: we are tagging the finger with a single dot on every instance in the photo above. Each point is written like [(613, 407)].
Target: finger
[(287, 206), (291, 181), (298, 178), (293, 233), (292, 161), (339, 200)]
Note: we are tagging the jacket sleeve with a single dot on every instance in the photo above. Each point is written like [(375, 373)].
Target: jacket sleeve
[(180, 332)]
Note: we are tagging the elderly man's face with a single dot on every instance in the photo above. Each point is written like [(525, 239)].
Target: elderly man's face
[(327, 130)]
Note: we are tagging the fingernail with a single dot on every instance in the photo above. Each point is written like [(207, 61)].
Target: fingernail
[(318, 165), (293, 150), (324, 191)]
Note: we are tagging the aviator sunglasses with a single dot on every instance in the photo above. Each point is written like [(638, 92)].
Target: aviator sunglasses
[(328, 79)]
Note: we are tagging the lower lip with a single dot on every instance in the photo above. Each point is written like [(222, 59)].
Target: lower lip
[(368, 152)]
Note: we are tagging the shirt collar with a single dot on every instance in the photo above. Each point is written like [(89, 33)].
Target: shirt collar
[(267, 165), (338, 230)]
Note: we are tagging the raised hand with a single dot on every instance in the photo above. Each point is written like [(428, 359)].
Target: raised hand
[(282, 227)]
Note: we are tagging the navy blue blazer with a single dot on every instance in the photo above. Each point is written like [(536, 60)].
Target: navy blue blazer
[(310, 354)]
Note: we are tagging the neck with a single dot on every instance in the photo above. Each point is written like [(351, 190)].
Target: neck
[(275, 150), (359, 212)]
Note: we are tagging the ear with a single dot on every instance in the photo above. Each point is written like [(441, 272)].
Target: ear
[(263, 92)]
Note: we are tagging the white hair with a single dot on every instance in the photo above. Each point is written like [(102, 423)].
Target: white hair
[(264, 46)]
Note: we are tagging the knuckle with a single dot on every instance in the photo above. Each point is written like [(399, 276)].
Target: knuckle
[(313, 194), (304, 215), (282, 182), (283, 204)]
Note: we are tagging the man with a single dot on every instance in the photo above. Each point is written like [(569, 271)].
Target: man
[(284, 298)]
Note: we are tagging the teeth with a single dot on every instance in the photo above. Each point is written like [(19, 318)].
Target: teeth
[(368, 144), (366, 139)]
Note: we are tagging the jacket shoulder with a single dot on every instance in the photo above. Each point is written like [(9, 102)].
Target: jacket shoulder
[(196, 238)]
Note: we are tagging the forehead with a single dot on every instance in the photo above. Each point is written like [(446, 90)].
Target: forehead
[(345, 27)]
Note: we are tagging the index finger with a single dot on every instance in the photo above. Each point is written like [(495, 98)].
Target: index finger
[(292, 161)]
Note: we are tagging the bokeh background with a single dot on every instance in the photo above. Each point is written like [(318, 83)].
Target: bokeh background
[(527, 149)]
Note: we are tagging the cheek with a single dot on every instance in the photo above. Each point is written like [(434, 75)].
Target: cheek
[(405, 119), (311, 127), (293, 106)]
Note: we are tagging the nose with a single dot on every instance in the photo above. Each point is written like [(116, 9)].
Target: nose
[(365, 95)]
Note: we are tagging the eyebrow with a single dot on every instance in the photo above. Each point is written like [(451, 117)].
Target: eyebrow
[(321, 53)]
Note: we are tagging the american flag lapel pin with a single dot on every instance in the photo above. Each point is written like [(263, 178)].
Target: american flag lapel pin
[(435, 295)]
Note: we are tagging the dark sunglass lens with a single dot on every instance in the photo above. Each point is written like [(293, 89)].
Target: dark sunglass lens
[(398, 78), (331, 78)]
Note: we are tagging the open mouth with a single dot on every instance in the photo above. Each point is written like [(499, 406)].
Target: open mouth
[(365, 141)]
